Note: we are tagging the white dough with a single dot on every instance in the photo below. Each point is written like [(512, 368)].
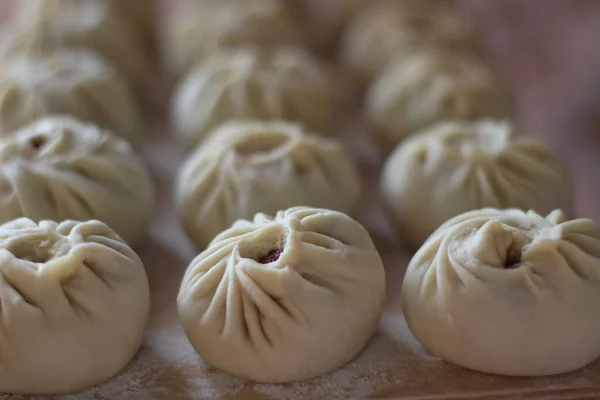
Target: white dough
[(456, 167), (249, 167), (78, 83), (98, 25), (74, 302), (285, 298), (283, 84), (430, 87), (199, 28), (386, 30), (61, 168), (508, 292)]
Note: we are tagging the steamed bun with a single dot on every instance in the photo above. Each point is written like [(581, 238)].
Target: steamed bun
[(79, 83), (508, 292), (250, 167), (200, 28), (284, 298), (460, 166), (98, 25), (394, 29), (60, 168), (74, 302), (429, 87), (283, 84)]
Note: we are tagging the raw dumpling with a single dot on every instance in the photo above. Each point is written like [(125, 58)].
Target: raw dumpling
[(508, 292), (78, 83), (283, 84), (250, 167), (430, 87), (200, 28), (74, 302), (98, 25), (460, 166), (391, 29), (60, 168), (285, 298)]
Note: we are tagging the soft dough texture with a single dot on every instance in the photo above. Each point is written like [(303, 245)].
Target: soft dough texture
[(457, 167), (250, 167), (508, 292), (74, 302), (78, 83), (60, 168), (98, 25), (200, 28), (283, 84), (394, 29), (429, 87), (285, 298)]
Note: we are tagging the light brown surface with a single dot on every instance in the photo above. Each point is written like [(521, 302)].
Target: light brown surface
[(393, 365)]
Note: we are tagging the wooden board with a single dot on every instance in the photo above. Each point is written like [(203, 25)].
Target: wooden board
[(393, 365)]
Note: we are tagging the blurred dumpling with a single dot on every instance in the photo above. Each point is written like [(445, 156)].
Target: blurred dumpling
[(284, 298), (430, 87), (456, 167), (283, 84), (60, 168), (78, 83), (390, 29), (74, 302), (44, 25), (508, 292), (200, 28), (250, 167)]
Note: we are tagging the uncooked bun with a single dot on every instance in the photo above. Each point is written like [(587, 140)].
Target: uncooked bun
[(200, 28), (74, 302), (98, 25), (79, 83), (60, 168), (283, 84), (508, 292), (250, 167), (456, 167), (429, 87), (394, 29), (285, 298)]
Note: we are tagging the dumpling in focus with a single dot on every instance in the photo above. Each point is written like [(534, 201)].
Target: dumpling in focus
[(283, 84), (430, 87), (78, 83), (394, 29), (508, 292), (285, 298), (250, 167), (60, 168), (74, 302), (456, 167), (98, 25), (200, 28)]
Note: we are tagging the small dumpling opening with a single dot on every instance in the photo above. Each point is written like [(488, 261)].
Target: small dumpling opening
[(270, 257), (266, 248), (264, 144), (37, 251), (513, 256), (37, 142)]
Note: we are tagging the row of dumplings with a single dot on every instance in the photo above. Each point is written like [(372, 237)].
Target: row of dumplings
[(258, 109), (294, 296), (497, 290), (74, 296)]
